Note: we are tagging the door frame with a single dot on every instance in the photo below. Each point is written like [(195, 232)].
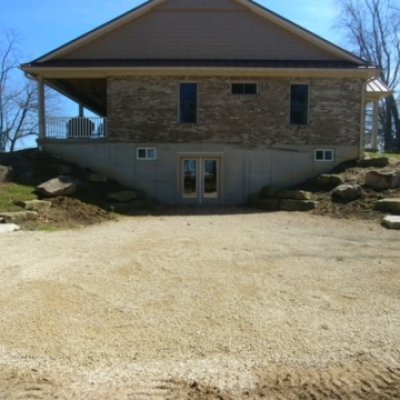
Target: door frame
[(200, 157)]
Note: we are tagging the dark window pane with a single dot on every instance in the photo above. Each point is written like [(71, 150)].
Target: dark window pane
[(188, 103), (244, 88), (299, 104), (190, 178), (141, 153), (210, 179), (319, 155), (328, 155)]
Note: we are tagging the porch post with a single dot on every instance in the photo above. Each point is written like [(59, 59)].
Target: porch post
[(42, 110), (375, 119), (81, 111)]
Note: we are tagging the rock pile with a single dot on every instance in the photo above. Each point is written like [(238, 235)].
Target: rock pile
[(275, 199)]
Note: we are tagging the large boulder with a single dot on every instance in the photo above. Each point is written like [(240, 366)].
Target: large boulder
[(124, 196), (382, 180), (388, 205), (328, 181), (61, 186), (391, 222), (18, 216), (297, 205), (294, 195), (34, 205), (6, 228), (5, 173), (346, 193), (373, 162), (269, 192)]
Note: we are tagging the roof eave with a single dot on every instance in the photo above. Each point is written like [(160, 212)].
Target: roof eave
[(116, 72)]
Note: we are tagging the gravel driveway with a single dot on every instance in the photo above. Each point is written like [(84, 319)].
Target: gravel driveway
[(164, 307)]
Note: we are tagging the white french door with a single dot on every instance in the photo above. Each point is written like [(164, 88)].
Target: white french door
[(200, 180)]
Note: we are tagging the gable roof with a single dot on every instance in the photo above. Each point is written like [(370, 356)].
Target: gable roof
[(249, 4)]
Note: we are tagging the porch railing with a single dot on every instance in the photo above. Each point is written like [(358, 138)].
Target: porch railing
[(76, 128)]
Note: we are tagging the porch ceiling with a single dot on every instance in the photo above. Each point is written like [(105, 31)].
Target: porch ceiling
[(377, 90), (91, 93)]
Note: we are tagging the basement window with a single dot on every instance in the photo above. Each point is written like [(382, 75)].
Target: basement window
[(146, 153), (244, 88), (324, 155)]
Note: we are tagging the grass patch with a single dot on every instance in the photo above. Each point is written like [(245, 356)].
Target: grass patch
[(10, 192)]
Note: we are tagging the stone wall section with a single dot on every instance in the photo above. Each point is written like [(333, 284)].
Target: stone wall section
[(145, 109)]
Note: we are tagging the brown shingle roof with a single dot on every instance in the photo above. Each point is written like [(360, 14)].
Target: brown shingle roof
[(140, 63)]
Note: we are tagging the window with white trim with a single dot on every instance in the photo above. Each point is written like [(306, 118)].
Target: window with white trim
[(324, 155), (146, 153)]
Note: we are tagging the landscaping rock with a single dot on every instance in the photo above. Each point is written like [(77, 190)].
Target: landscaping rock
[(388, 205), (269, 192), (295, 195), (18, 216), (7, 228), (267, 204), (94, 177), (347, 192), (382, 180), (328, 181), (391, 222), (5, 173), (297, 205), (34, 205), (61, 186), (373, 162), (125, 196)]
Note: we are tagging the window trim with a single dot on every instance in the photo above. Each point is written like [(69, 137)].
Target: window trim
[(244, 83), (308, 103), (146, 149), (324, 151), (179, 103)]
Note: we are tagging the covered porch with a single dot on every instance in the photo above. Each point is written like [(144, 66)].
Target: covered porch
[(376, 91), (90, 122)]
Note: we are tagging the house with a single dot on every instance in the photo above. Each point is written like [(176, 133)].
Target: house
[(205, 101)]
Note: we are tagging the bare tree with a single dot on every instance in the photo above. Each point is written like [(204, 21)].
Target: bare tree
[(373, 28), (18, 97)]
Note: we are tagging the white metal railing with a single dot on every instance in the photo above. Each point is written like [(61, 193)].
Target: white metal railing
[(76, 128)]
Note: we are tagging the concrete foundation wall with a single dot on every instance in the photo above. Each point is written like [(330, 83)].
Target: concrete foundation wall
[(244, 169)]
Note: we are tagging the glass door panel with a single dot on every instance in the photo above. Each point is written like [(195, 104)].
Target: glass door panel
[(210, 179), (190, 179)]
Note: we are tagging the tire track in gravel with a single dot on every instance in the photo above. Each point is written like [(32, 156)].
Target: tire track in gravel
[(359, 380)]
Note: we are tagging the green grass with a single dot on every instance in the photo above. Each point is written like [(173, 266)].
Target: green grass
[(391, 156), (10, 192)]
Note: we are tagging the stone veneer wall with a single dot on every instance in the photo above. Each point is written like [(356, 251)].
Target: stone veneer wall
[(146, 110)]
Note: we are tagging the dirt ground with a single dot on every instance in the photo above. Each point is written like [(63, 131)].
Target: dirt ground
[(237, 305)]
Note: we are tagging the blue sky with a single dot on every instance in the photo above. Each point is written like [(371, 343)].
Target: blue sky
[(46, 24)]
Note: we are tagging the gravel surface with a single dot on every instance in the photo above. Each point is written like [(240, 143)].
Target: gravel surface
[(228, 304)]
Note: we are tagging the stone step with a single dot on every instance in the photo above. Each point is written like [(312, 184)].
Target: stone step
[(18, 216), (7, 228), (391, 222)]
